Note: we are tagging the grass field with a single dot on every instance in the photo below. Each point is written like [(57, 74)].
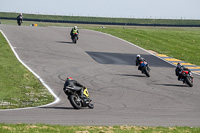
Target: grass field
[(19, 87), (42, 128)]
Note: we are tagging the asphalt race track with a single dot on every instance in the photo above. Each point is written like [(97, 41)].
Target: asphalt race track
[(122, 95)]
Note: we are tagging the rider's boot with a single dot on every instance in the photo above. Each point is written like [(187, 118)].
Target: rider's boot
[(179, 78)]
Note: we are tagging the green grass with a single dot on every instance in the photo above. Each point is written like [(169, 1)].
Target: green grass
[(101, 19), (43, 128), (180, 43), (18, 86)]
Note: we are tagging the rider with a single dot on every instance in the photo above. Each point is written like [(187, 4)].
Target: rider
[(179, 69), (20, 17), (70, 82), (73, 31), (138, 60)]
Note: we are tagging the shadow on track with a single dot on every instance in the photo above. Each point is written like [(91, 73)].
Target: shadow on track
[(65, 42), (58, 108), (125, 59), (175, 85), (131, 75)]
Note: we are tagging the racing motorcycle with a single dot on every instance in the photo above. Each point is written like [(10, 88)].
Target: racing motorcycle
[(145, 68), (76, 101), (187, 77), (19, 21), (74, 37)]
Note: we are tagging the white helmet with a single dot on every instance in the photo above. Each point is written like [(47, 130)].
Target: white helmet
[(138, 56), (75, 27)]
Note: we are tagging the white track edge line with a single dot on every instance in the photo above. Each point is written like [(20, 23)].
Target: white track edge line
[(139, 48), (57, 99)]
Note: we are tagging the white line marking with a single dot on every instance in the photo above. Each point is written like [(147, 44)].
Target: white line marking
[(57, 99)]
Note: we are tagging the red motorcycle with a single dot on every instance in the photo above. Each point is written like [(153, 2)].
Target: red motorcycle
[(186, 77)]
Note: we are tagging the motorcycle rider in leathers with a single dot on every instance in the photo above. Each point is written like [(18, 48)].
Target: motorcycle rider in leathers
[(73, 31), (20, 18), (138, 60), (70, 82), (179, 69)]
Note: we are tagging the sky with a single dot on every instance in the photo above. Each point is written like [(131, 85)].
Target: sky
[(164, 9)]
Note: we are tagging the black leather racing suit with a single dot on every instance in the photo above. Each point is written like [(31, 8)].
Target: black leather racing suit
[(75, 84), (179, 69), (19, 18)]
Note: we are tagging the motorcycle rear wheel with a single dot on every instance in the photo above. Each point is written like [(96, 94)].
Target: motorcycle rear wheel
[(74, 102)]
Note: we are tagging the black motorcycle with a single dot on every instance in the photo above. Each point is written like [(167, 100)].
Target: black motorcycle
[(19, 22), (76, 101), (74, 38), (145, 68)]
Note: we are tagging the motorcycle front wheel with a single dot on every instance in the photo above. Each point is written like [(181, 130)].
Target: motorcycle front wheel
[(146, 72), (74, 40), (75, 101), (91, 105), (19, 23), (188, 80)]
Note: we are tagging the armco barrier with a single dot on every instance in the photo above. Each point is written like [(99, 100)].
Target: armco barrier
[(100, 23)]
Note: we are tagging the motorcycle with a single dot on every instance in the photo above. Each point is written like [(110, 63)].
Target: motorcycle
[(145, 68), (187, 77), (76, 101), (74, 37), (19, 20)]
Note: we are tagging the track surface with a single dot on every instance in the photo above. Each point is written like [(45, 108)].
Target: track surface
[(106, 65)]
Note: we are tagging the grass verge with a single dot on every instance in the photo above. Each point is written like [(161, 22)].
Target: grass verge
[(42, 128), (18, 87)]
